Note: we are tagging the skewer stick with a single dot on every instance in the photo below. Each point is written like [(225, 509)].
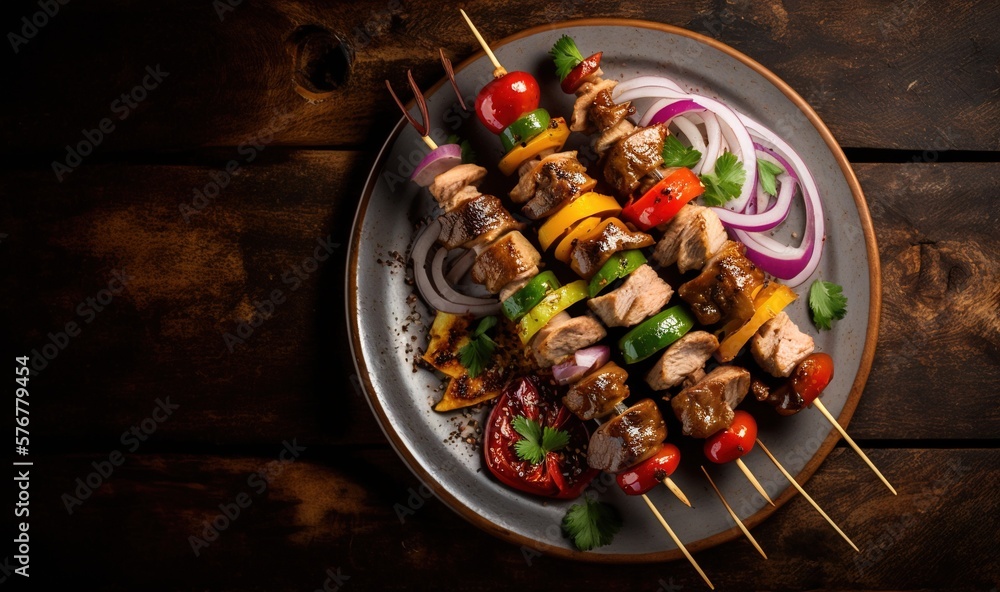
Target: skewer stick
[(822, 408), (806, 495), (677, 491), (498, 70), (736, 518), (753, 480), (430, 143), (677, 541)]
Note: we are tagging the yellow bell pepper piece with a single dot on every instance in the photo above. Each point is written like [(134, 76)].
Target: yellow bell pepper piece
[(555, 302), (781, 297), (587, 205), (553, 137), (582, 229)]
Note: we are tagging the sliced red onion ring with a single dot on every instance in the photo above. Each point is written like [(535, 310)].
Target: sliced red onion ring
[(439, 160), (594, 356), (767, 219), (582, 362), (442, 297), (460, 267)]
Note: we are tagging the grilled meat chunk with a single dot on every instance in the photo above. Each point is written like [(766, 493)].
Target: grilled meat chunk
[(528, 181), (725, 287), (628, 439), (504, 261), (586, 94), (669, 246), (605, 113), (610, 136), (690, 238), (598, 392), (475, 222), (556, 183), (633, 156), (642, 294), (784, 398), (448, 184), (683, 358), (610, 236), (707, 407), (779, 346), (564, 335)]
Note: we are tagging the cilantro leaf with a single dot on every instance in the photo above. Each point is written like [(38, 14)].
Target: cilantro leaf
[(468, 154), (827, 302), (537, 442), (566, 56), (676, 154), (591, 524), (767, 171), (476, 354), (724, 183)]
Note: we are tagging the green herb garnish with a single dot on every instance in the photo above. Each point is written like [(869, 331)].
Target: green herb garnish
[(724, 183), (827, 302), (476, 354), (591, 524), (566, 56), (676, 154), (538, 441), (767, 171)]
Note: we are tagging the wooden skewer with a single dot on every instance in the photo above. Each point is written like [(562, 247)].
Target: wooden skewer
[(826, 413), (498, 70), (430, 143), (753, 480), (806, 495), (736, 518), (677, 491), (677, 541)]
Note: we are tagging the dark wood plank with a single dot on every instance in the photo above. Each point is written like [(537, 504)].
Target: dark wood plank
[(334, 509), (909, 75), (194, 282)]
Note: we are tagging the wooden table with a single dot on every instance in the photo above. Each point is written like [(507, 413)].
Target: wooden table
[(127, 296)]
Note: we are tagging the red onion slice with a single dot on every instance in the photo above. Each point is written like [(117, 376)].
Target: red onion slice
[(439, 160), (441, 296), (594, 356)]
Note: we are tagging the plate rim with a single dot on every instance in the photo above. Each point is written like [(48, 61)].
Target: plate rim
[(867, 354)]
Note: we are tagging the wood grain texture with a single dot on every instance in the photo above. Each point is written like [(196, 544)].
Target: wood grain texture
[(196, 281), (890, 74), (341, 508)]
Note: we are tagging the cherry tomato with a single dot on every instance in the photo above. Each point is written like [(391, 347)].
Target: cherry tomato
[(651, 472), (733, 442), (505, 99), (581, 71), (564, 474), (811, 376)]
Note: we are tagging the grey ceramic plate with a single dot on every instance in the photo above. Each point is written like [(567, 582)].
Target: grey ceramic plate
[(401, 397)]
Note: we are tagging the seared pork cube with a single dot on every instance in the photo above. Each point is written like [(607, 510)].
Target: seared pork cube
[(557, 183), (585, 96), (690, 238), (642, 294), (598, 392), (707, 407), (449, 183), (564, 335), (633, 156), (628, 439), (605, 113), (475, 222), (725, 287), (684, 357), (610, 136), (779, 346), (531, 173), (610, 236), (504, 261)]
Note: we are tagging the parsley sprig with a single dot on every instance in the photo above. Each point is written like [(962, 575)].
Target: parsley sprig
[(566, 56), (676, 154), (476, 354), (724, 183), (766, 172), (591, 524), (538, 441), (827, 302)]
